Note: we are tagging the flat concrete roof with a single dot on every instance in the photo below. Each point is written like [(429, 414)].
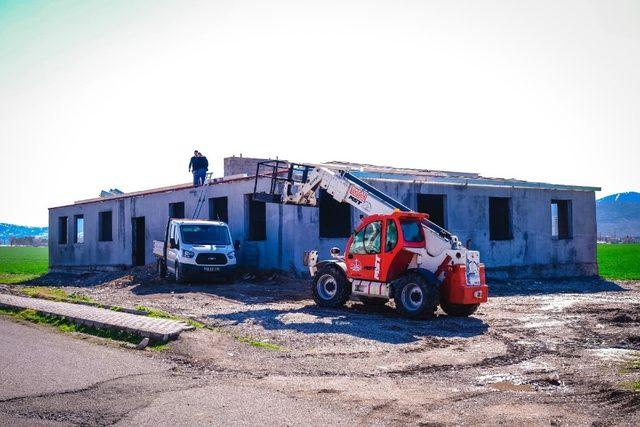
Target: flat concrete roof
[(389, 173), (375, 173), (167, 189), (394, 170)]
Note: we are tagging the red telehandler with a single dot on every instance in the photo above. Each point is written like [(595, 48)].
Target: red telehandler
[(395, 253)]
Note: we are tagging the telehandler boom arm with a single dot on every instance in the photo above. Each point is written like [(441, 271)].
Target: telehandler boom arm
[(302, 182)]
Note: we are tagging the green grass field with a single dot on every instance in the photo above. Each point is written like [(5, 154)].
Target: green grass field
[(18, 264), (619, 261)]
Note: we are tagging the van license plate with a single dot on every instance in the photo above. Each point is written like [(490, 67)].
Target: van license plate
[(212, 269)]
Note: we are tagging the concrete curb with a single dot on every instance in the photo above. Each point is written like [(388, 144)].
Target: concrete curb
[(153, 328), (18, 293)]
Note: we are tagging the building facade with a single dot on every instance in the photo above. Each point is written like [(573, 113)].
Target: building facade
[(522, 229)]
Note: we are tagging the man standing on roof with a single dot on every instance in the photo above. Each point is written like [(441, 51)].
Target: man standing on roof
[(204, 167), (194, 167)]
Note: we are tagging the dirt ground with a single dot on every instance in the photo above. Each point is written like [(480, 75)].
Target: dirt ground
[(538, 353)]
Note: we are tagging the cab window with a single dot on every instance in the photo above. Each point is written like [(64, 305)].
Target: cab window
[(367, 240), (412, 231), (372, 237), (357, 245), (392, 236)]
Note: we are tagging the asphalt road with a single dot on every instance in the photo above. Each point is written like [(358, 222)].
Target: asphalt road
[(50, 378), (36, 362)]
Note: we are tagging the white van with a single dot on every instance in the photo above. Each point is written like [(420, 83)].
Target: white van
[(195, 249)]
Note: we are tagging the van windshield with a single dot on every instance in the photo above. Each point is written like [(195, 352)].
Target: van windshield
[(205, 234)]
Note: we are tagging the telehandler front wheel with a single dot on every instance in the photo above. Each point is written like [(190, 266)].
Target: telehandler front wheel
[(415, 296), (330, 287), (458, 310)]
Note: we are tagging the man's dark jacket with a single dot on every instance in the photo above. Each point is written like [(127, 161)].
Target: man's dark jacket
[(193, 163), (199, 163)]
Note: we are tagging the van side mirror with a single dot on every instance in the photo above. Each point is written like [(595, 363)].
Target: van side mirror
[(172, 243), (236, 245), (335, 251)]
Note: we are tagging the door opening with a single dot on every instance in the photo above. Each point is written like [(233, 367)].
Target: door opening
[(138, 241), (433, 204)]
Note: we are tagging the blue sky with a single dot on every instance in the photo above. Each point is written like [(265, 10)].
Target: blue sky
[(103, 94)]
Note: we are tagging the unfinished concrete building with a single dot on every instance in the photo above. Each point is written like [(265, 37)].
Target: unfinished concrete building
[(522, 229)]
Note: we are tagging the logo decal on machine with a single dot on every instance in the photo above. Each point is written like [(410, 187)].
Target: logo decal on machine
[(376, 270), (356, 266), (357, 194)]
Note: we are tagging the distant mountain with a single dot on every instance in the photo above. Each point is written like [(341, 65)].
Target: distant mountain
[(630, 196), (11, 230), (619, 215)]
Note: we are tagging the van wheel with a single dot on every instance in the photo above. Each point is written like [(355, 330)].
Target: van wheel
[(330, 287), (162, 269), (415, 296), (459, 310), (178, 275)]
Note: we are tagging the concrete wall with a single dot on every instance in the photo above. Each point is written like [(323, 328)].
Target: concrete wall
[(239, 165), (291, 230), (532, 252)]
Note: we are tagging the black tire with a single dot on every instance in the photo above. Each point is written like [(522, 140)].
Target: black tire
[(178, 275), (415, 296), (330, 287), (373, 302), (162, 268), (460, 310)]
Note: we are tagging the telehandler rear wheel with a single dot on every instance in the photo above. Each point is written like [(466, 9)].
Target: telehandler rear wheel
[(415, 296), (330, 287), (459, 310)]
